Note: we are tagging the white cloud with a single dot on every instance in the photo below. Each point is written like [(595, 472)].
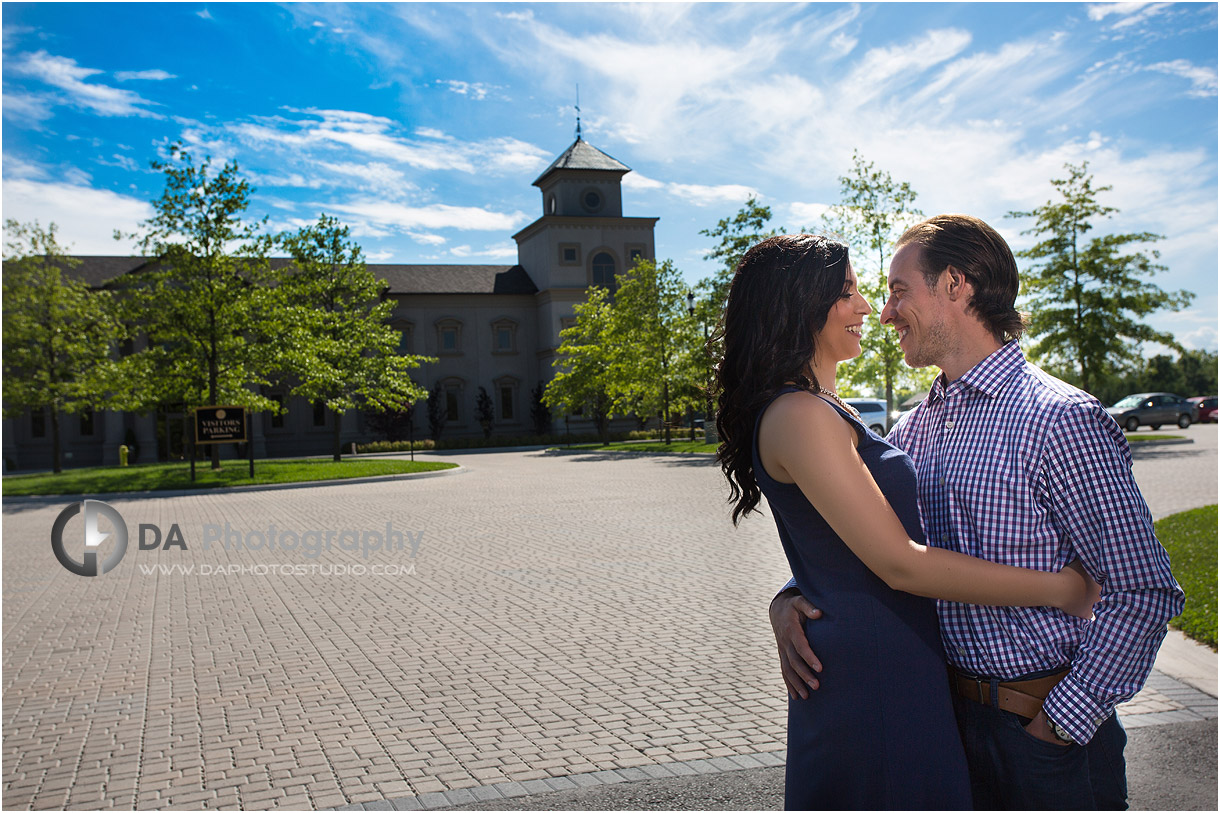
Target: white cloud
[(87, 217), (27, 108), (806, 215), (505, 251), (1202, 80), (427, 239), (698, 194), (154, 75), (434, 216), (475, 90), (204, 15), (1099, 11), (372, 136), (65, 74), (703, 195), (379, 256), (1202, 338)]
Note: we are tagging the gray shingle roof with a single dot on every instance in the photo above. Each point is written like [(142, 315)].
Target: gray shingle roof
[(402, 279), (583, 155)]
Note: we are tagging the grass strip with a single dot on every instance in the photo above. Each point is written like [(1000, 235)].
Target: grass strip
[(177, 475), (1190, 538)]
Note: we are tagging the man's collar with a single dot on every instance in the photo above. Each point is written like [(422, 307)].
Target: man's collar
[(989, 375)]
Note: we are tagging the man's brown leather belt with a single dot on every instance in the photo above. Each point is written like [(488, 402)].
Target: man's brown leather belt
[(1023, 697)]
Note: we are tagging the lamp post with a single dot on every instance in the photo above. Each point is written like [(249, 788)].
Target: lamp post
[(709, 425)]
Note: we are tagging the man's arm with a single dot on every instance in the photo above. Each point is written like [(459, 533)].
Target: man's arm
[(1097, 506), (797, 663)]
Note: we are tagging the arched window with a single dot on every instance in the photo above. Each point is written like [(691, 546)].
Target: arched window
[(603, 271)]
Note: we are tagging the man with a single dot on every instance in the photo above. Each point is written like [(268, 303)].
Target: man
[(1018, 467)]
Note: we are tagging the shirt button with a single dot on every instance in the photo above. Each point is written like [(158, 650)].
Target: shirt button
[(944, 537), (941, 480), (949, 424), (961, 651)]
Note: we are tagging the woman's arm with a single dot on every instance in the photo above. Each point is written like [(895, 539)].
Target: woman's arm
[(803, 439)]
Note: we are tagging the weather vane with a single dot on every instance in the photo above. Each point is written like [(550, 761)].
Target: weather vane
[(577, 111)]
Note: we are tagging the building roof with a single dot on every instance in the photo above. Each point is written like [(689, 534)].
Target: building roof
[(455, 279), (583, 155), (402, 279)]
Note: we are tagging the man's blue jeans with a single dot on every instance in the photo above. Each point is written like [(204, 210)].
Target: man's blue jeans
[(1011, 769)]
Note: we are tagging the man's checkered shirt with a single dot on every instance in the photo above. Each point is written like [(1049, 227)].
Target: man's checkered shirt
[(1018, 467)]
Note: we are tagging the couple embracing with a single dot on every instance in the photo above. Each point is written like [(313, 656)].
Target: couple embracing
[(1007, 495)]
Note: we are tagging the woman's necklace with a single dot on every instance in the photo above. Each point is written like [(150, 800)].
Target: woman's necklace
[(834, 397)]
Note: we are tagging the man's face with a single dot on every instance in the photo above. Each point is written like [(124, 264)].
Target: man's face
[(916, 311)]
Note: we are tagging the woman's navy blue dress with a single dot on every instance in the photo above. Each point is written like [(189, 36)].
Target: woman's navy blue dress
[(879, 732)]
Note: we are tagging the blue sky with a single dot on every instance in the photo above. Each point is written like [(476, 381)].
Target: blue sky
[(422, 125)]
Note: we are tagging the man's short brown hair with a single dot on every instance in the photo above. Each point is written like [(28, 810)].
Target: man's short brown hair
[(980, 253)]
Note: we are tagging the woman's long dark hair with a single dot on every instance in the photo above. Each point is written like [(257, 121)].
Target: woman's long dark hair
[(779, 299)]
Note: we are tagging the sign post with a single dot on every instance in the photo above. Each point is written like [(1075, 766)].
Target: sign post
[(223, 424)]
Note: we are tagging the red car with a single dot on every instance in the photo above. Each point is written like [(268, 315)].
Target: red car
[(1206, 406)]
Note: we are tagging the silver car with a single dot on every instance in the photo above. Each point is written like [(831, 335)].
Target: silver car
[(1152, 409), (872, 413)]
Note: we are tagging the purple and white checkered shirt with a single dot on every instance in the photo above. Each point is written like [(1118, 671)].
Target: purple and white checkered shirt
[(1018, 467)]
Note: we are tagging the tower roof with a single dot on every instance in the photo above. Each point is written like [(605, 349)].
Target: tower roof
[(583, 155)]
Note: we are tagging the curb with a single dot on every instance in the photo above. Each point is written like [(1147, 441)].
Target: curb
[(191, 492), (509, 790)]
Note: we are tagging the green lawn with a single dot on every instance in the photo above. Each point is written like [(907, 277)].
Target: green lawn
[(1190, 538), (1138, 438), (163, 476), (677, 446)]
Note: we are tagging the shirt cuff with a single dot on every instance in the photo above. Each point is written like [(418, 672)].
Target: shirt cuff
[(791, 584), (1072, 707)]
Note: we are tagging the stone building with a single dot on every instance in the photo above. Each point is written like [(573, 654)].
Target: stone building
[(490, 326)]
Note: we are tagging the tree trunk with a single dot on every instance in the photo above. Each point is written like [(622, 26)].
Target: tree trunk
[(338, 449), (56, 465)]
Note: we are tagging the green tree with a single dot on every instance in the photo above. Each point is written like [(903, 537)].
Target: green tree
[(656, 358), (735, 235), (582, 361), (438, 411), (540, 413), (207, 304), (1087, 295), (485, 410), (58, 332), (337, 344), (872, 214)]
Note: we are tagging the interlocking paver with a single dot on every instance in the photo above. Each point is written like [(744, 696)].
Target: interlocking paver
[(567, 615)]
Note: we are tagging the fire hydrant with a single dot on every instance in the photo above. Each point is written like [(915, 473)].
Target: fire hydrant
[(123, 455)]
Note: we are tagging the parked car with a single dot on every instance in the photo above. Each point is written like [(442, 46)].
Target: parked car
[(1206, 408), (872, 412), (1152, 409)]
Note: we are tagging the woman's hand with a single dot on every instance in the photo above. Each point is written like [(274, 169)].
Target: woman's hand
[(1081, 592)]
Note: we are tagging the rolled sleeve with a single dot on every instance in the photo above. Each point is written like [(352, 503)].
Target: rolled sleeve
[(1103, 519)]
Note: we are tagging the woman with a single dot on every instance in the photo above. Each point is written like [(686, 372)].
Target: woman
[(879, 732)]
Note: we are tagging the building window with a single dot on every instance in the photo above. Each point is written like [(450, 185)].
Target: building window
[(634, 254), (506, 397), (566, 322), (506, 403), (38, 423), (86, 422), (277, 418), (603, 271), (449, 336), (569, 254), (550, 204), (451, 404), (127, 347), (504, 336), (591, 200), (406, 336), (319, 413)]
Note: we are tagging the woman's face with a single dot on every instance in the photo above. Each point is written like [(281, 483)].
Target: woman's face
[(839, 340)]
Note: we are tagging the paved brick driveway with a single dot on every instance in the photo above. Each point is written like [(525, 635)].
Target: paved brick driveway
[(565, 614)]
